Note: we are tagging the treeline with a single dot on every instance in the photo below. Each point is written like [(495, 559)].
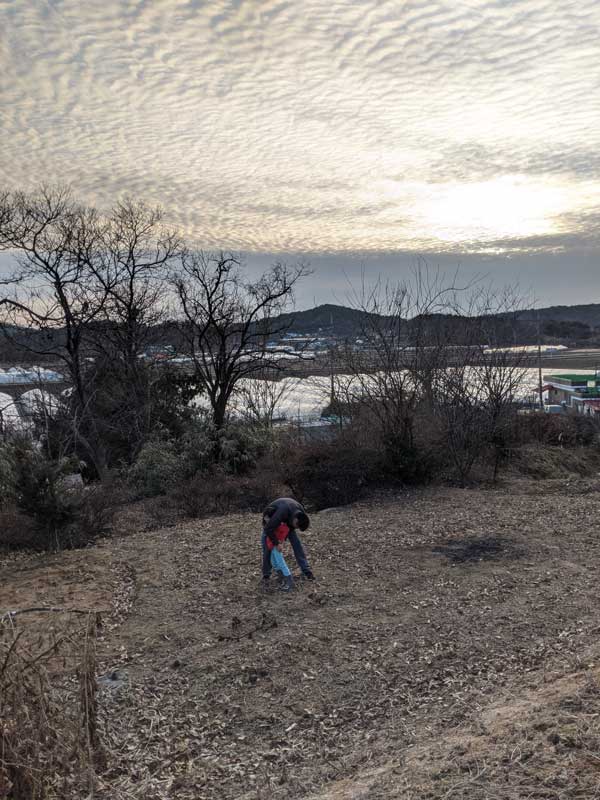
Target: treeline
[(513, 329), (93, 290)]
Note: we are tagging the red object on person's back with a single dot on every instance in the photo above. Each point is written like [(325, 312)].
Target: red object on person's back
[(281, 533)]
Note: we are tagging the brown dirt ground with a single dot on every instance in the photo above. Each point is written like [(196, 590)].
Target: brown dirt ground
[(448, 649)]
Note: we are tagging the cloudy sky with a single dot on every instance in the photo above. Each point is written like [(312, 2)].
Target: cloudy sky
[(360, 133)]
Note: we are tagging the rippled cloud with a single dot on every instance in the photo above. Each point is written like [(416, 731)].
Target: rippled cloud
[(336, 127)]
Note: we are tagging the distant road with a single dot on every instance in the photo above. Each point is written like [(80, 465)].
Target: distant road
[(570, 359), (588, 359)]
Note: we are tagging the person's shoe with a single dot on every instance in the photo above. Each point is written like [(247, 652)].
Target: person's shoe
[(287, 585), (308, 576), (266, 583)]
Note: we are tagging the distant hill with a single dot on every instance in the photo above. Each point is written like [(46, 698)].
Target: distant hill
[(327, 319), (588, 314), (345, 322)]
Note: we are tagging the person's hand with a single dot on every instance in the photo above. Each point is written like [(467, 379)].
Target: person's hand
[(279, 547)]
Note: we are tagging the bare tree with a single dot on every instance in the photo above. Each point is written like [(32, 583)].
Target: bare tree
[(393, 370), (228, 320), (89, 290), (51, 291), (502, 366), (6, 213), (137, 249)]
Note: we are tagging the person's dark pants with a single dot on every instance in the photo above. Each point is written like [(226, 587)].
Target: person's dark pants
[(299, 555)]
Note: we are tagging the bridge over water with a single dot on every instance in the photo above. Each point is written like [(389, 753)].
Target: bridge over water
[(17, 390), (23, 394)]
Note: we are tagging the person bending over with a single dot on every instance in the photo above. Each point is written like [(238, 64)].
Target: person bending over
[(286, 511)]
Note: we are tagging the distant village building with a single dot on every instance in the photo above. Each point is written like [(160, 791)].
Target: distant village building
[(578, 392), (158, 352)]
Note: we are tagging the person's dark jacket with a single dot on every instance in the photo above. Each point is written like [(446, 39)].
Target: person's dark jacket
[(282, 510)]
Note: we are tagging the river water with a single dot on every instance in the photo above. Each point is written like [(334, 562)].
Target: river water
[(305, 398)]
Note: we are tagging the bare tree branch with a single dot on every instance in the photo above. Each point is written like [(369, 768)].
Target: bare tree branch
[(228, 320)]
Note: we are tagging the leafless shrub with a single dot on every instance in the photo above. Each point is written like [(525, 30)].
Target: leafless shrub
[(94, 507), (203, 495), (560, 430), (17, 530), (331, 473), (61, 519), (428, 358)]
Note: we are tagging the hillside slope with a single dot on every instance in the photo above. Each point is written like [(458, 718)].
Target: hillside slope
[(432, 610)]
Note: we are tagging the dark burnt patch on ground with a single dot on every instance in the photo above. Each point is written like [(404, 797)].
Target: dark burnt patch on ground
[(485, 548)]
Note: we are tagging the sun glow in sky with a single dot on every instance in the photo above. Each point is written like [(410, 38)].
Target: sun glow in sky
[(342, 127), (505, 207)]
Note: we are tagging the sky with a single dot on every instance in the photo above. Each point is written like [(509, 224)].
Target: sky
[(358, 135)]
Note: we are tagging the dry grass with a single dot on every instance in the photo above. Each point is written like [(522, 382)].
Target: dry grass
[(49, 741), (546, 461)]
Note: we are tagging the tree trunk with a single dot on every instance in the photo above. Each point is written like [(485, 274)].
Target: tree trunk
[(219, 409)]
